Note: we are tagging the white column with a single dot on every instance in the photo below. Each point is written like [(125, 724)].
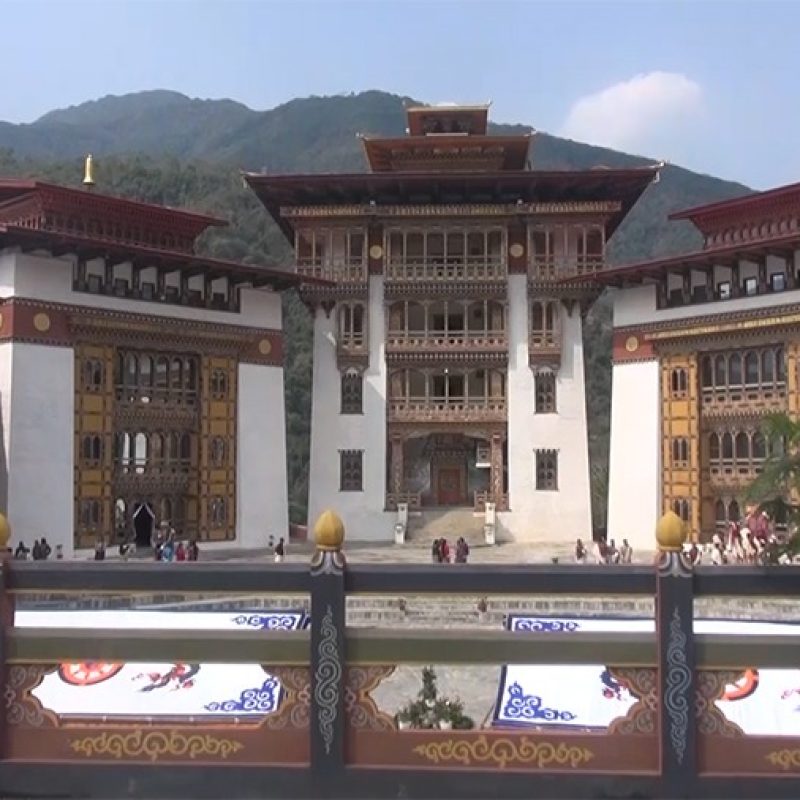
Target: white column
[(634, 486), (262, 507)]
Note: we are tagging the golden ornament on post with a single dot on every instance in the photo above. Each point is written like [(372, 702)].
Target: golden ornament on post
[(5, 533), (88, 174), (671, 532), (329, 531)]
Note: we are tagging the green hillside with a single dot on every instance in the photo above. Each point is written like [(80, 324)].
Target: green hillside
[(166, 148)]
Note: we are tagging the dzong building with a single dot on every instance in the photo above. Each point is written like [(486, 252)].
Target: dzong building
[(140, 382), (448, 376)]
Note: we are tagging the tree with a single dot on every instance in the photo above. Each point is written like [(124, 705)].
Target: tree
[(431, 711), (777, 489)]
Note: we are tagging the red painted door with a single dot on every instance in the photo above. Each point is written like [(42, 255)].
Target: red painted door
[(449, 489)]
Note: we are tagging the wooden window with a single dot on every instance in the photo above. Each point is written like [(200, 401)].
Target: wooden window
[(751, 286), (547, 470), (724, 290), (90, 514), (218, 451), (682, 507), (545, 394), (93, 375), (351, 470), (219, 384), (352, 392), (91, 450), (217, 512), (680, 452), (680, 382)]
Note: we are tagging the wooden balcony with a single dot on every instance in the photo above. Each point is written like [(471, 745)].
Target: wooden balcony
[(728, 474), (753, 399), (354, 346), (554, 268), (447, 409), (409, 342), (471, 270), (338, 271)]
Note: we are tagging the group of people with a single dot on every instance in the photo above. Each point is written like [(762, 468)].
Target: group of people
[(604, 552), (167, 547), (752, 540), (41, 551), (442, 554)]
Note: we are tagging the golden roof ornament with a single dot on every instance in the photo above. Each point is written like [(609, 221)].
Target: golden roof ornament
[(671, 532), (88, 174), (329, 531)]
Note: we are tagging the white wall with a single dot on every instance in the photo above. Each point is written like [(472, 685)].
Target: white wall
[(565, 514), (38, 429), (362, 512), (40, 277), (262, 504), (637, 306), (634, 490)]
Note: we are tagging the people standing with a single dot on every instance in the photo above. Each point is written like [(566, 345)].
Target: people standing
[(436, 554), (21, 553), (462, 551), (280, 551), (100, 549), (444, 551), (580, 552), (626, 552), (193, 551), (180, 552), (44, 549)]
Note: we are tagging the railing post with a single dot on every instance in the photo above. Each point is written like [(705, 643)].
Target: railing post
[(328, 659), (676, 659)]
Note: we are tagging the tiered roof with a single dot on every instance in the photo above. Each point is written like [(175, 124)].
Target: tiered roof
[(743, 228), (448, 158), (36, 215)]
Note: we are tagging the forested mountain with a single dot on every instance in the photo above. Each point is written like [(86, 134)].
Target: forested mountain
[(163, 147)]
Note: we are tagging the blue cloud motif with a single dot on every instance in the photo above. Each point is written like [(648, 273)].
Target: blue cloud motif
[(535, 625), (521, 706), (270, 622), (257, 700)]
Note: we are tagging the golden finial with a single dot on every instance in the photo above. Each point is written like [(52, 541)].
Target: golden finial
[(671, 532), (329, 531), (88, 177), (5, 533)]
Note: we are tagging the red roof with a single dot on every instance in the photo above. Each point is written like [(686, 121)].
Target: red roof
[(87, 247), (13, 188), (372, 190), (722, 256), (749, 202)]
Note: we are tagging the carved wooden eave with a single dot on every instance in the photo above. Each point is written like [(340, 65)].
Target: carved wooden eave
[(587, 291), (460, 358), (549, 357), (451, 210), (312, 296), (357, 360), (155, 415), (477, 430), (477, 290)]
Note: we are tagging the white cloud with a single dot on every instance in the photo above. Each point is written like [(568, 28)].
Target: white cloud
[(654, 114)]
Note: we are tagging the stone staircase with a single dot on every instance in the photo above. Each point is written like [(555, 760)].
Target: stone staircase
[(449, 523)]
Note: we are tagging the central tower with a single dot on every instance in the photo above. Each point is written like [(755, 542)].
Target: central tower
[(448, 357)]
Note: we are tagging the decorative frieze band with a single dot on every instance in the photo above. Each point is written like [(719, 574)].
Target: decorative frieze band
[(457, 210), (62, 325)]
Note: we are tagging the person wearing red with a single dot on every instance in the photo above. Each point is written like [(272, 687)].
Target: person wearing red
[(180, 552)]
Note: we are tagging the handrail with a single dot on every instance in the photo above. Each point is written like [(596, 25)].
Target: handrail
[(230, 579)]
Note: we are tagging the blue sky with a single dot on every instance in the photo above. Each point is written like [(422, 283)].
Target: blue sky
[(709, 84)]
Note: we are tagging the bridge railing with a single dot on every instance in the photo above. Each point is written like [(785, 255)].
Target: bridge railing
[(330, 739)]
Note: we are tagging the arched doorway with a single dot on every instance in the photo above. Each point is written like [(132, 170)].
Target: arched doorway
[(143, 520)]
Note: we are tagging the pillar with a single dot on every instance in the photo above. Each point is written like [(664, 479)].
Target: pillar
[(397, 443), (496, 469)]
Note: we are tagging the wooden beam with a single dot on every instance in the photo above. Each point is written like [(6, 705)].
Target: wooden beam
[(54, 645)]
